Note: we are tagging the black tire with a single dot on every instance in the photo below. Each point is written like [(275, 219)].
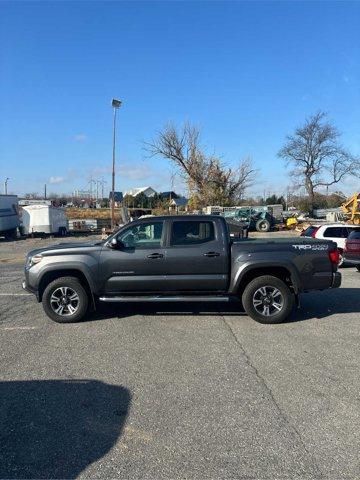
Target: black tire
[(53, 290), (11, 234), (263, 225), (62, 231), (358, 268), (270, 285)]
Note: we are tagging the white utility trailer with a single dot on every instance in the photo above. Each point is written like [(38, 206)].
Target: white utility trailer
[(44, 219), (9, 216)]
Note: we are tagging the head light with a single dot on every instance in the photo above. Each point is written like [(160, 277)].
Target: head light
[(35, 259)]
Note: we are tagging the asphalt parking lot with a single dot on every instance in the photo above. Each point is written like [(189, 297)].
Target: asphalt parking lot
[(174, 391)]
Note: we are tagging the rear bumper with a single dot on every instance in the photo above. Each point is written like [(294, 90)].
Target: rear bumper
[(336, 280)]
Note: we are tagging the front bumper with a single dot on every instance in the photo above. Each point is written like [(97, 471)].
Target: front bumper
[(26, 287), (336, 280)]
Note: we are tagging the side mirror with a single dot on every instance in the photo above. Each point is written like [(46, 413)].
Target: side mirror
[(116, 244)]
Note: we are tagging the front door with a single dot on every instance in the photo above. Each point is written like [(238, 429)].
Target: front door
[(139, 265)]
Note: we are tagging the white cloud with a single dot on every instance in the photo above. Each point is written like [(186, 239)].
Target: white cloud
[(56, 180), (71, 174), (80, 137)]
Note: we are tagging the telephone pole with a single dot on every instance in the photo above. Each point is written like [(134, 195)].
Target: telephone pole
[(6, 184), (115, 104)]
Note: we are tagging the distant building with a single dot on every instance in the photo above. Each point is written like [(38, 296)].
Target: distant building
[(179, 204), (147, 191), (169, 195), (118, 197)]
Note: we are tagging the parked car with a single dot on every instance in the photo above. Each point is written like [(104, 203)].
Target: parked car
[(352, 249), (180, 258), (337, 232)]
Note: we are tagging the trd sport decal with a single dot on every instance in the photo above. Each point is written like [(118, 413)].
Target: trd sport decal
[(311, 247)]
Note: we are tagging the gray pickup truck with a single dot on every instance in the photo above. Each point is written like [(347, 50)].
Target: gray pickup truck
[(180, 258)]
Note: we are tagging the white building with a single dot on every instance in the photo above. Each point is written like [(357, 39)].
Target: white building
[(147, 191)]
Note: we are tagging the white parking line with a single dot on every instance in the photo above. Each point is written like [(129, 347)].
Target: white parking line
[(15, 294), (19, 328)]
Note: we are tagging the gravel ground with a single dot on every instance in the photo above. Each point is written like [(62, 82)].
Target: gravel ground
[(178, 391)]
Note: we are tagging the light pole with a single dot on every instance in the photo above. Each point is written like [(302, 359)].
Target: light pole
[(6, 184), (115, 104)]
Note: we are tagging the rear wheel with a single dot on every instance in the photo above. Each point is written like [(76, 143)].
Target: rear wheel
[(358, 268), (268, 299), (263, 225), (65, 300)]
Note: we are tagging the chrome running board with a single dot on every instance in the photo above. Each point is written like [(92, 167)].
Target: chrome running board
[(162, 298)]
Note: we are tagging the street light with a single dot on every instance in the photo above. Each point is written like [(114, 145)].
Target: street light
[(115, 104), (6, 184)]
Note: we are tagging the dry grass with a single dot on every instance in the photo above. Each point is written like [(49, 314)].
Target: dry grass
[(94, 213)]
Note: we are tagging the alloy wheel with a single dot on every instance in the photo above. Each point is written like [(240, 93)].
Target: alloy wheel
[(64, 301), (268, 301)]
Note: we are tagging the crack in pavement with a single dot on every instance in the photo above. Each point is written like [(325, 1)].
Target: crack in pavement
[(293, 430)]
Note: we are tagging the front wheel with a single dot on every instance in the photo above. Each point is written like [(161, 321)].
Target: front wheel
[(268, 299), (358, 268), (65, 300)]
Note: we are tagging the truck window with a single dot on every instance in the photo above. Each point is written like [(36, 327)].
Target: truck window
[(192, 232), (143, 235)]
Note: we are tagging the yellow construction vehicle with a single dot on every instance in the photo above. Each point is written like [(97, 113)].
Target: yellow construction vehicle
[(351, 209)]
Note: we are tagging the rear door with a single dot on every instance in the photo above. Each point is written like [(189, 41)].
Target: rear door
[(197, 256)]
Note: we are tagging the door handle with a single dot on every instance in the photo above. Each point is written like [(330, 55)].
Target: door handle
[(212, 254), (155, 255)]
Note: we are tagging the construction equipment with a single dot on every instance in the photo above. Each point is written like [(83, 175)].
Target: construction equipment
[(291, 223), (257, 218), (351, 209)]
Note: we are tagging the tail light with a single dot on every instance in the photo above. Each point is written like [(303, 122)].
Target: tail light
[(334, 257), (313, 233)]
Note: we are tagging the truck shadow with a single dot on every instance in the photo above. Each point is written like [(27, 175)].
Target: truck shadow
[(320, 304), (56, 428), (328, 302)]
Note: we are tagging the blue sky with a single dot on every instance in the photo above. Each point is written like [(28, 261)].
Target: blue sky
[(246, 72)]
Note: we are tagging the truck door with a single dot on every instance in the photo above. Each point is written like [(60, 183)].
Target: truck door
[(197, 256), (139, 262)]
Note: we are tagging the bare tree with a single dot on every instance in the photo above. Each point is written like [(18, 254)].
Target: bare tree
[(210, 182), (316, 155)]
